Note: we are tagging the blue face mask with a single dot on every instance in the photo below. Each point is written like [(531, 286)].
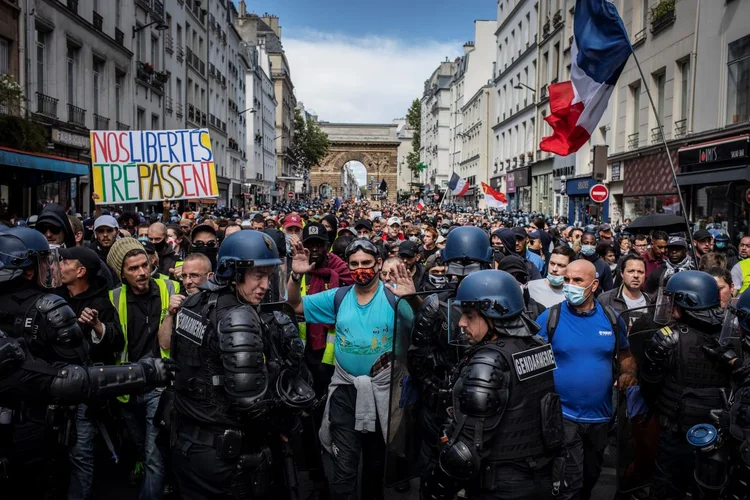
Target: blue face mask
[(555, 280), (575, 295), (588, 250), (721, 244)]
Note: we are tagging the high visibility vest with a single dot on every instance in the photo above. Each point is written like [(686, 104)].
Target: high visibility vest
[(328, 356), (745, 268), (118, 297)]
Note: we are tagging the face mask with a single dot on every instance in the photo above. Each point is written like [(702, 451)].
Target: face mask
[(437, 281), (415, 239), (721, 244), (364, 276), (209, 252), (588, 250), (160, 246), (555, 280), (612, 267), (575, 295), (443, 231)]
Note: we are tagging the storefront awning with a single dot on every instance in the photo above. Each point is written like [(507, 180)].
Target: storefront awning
[(32, 169), (716, 176), (203, 201)]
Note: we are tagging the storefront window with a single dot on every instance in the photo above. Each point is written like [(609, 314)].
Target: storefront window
[(741, 220), (635, 206), (724, 205), (46, 194)]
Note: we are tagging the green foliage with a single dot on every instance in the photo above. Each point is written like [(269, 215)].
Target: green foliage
[(21, 133), (309, 143), (662, 9), (414, 120), (11, 94)]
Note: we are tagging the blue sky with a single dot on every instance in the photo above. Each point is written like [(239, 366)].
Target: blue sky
[(363, 61)]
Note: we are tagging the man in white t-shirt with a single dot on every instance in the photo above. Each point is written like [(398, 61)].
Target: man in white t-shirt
[(629, 294), (549, 291)]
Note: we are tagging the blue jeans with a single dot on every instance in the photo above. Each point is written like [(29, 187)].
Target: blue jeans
[(81, 456), (139, 416)]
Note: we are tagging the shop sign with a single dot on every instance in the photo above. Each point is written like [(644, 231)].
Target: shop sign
[(576, 187), (510, 183), (736, 148), (616, 175), (521, 177), (568, 171), (69, 139)]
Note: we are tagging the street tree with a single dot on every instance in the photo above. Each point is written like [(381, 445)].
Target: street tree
[(309, 143), (414, 120)]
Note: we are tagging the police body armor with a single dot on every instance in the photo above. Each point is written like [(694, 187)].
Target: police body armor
[(521, 431), (431, 358), (690, 390)]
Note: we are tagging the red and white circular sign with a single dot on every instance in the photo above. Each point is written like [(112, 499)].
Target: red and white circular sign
[(599, 193), (747, 195), (290, 194)]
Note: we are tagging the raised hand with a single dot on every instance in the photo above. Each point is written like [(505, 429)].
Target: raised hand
[(301, 259), (402, 282)]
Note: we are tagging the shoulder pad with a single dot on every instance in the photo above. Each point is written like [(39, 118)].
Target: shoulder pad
[(667, 337), (430, 305), (240, 318), (192, 300), (487, 367), (483, 391), (666, 331), (281, 318), (47, 302), (212, 286)]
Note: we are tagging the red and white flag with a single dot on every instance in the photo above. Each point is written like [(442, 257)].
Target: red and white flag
[(420, 205), (494, 199)]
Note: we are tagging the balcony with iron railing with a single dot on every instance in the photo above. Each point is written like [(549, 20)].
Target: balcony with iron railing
[(657, 135), (204, 121), (680, 127), (639, 37), (179, 109), (633, 140), (180, 52), (101, 122), (543, 92), (191, 114), (98, 21), (168, 107), (169, 43), (76, 115), (662, 16), (46, 105), (122, 126)]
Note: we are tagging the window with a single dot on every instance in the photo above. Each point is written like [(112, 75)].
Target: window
[(178, 89), (71, 74), (155, 52), (738, 94), (179, 34), (684, 89), (139, 42), (118, 13), (154, 122), (141, 119), (40, 61), (545, 65), (118, 98), (635, 93), (660, 81), (97, 85), (4, 56), (556, 62)]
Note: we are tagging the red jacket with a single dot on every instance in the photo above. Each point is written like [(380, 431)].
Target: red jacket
[(651, 264), (333, 275)]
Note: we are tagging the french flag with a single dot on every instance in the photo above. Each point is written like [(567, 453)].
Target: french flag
[(601, 48), (420, 205), (458, 185)]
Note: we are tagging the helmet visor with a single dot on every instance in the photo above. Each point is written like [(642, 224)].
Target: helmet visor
[(457, 336), (459, 269), (261, 284), (663, 306), (731, 329), (49, 272)]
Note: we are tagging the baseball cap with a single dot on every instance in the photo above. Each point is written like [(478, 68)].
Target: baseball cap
[(394, 220), (314, 231), (701, 234), (292, 220), (86, 256), (246, 224), (677, 241), (535, 235), (106, 221), (408, 249), (349, 230), (363, 223), (605, 228), (520, 232), (202, 228)]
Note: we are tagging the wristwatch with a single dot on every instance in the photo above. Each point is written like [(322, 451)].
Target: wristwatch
[(296, 278)]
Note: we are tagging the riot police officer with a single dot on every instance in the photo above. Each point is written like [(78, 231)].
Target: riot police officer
[(505, 433), (35, 389), (684, 373), (235, 390), (430, 357)]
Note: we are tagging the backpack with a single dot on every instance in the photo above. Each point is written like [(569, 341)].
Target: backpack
[(338, 298), (554, 318)]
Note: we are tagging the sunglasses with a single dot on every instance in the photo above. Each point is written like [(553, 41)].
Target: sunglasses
[(201, 244), (48, 227)]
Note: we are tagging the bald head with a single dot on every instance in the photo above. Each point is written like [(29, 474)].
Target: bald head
[(157, 233), (581, 273)]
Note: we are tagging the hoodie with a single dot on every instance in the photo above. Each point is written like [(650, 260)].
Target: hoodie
[(508, 237), (333, 274), (55, 214), (97, 297), (334, 223)]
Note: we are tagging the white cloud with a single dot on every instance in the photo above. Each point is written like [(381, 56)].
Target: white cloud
[(360, 80)]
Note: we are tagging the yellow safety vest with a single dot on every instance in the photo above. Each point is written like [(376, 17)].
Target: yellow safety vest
[(745, 268), (118, 297), (328, 356)]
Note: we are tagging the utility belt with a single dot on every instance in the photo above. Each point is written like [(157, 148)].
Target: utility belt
[(58, 420), (436, 399), (541, 467)]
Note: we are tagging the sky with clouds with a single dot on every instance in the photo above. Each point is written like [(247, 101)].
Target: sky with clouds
[(364, 62)]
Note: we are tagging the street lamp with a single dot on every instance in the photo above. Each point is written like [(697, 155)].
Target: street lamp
[(520, 86), (160, 25), (251, 110)]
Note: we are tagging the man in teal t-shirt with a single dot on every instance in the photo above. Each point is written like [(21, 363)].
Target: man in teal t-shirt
[(364, 340)]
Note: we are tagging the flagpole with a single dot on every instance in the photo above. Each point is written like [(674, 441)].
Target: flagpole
[(666, 151)]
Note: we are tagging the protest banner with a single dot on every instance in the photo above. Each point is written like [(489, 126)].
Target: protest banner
[(152, 165)]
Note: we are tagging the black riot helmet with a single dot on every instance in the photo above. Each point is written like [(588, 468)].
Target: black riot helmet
[(467, 250), (495, 294)]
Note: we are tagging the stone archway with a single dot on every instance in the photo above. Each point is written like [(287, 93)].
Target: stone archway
[(374, 145)]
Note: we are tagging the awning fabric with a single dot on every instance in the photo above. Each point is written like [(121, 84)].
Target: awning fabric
[(35, 161)]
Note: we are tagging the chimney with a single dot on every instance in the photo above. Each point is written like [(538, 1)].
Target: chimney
[(468, 47), (273, 23), (243, 8)]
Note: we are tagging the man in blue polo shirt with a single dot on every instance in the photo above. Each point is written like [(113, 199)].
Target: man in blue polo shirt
[(585, 346)]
